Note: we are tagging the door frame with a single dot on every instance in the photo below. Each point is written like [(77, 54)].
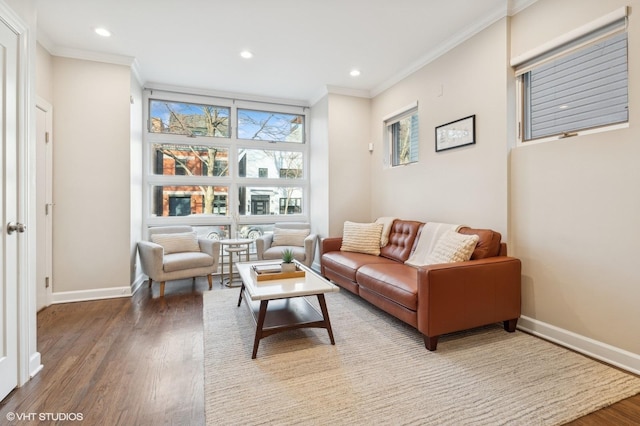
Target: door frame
[(44, 214), (28, 357)]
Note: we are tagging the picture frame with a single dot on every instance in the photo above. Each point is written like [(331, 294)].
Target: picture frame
[(455, 134)]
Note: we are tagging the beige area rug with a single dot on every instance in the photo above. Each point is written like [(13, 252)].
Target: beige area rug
[(379, 373)]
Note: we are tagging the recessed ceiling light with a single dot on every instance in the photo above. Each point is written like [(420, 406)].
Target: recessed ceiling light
[(563, 106), (246, 54), (354, 73), (103, 32)]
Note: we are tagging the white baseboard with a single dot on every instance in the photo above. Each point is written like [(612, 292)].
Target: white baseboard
[(95, 294), (140, 279), (35, 364), (602, 351)]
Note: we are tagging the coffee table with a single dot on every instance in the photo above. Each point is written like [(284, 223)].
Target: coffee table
[(280, 304)]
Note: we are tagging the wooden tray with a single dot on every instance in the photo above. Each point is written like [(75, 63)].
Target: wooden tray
[(267, 276)]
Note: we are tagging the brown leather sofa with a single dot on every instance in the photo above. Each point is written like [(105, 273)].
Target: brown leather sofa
[(435, 299)]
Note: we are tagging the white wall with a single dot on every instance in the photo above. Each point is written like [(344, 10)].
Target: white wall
[(44, 74), (92, 191), (135, 182), (576, 209), (466, 185), (319, 168), (349, 161)]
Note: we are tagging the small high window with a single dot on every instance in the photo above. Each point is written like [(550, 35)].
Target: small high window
[(579, 85), (402, 136)]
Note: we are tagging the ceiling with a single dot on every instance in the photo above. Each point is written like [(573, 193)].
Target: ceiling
[(301, 48)]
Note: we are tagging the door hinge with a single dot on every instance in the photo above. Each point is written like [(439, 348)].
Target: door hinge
[(46, 209), (46, 137), (46, 282)]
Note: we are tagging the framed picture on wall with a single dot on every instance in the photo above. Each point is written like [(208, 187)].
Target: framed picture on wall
[(458, 133)]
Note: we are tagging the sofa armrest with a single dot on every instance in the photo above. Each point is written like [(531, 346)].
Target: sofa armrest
[(263, 243), (151, 256), (459, 296), (310, 243), (212, 248), (330, 244)]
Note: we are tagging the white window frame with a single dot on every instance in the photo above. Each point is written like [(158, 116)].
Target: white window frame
[(388, 121), (232, 181), (599, 29)]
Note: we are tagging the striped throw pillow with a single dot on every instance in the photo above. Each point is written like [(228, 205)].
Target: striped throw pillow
[(177, 243), (361, 237), (452, 247)]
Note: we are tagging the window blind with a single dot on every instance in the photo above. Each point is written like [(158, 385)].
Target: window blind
[(584, 89)]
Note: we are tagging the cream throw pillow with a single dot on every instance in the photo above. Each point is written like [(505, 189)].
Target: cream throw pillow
[(452, 247), (386, 222), (361, 237), (177, 243), (289, 237)]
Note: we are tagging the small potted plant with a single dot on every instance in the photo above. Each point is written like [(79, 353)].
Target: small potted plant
[(287, 261)]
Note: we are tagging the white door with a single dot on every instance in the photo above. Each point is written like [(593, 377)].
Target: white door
[(8, 211), (44, 203)]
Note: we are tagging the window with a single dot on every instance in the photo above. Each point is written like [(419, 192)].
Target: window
[(270, 200), (179, 205), (190, 160), (402, 136), (290, 205), (578, 86), (270, 126), (171, 200), (224, 183), (181, 118), (264, 163)]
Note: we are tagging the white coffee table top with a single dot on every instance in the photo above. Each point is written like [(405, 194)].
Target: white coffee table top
[(310, 284)]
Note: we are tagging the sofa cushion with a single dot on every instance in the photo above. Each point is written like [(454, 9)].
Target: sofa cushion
[(275, 253), (361, 237), (452, 247), (177, 242), (488, 245), (289, 237), (186, 260), (347, 263), (401, 240), (396, 282)]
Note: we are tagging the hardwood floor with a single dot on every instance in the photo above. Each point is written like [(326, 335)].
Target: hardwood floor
[(128, 361), (139, 361)]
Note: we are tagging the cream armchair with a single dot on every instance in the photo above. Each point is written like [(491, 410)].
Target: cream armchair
[(294, 236), (174, 253)]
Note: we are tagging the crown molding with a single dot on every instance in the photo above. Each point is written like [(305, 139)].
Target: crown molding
[(516, 6), (510, 8), (45, 41), (67, 52), (445, 47), (135, 70)]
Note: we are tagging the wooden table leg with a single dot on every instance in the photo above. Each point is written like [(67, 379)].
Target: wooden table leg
[(325, 315), (260, 323), (240, 297)]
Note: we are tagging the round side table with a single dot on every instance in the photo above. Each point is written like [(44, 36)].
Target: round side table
[(231, 246)]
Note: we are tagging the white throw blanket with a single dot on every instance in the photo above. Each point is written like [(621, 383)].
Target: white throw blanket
[(431, 233), (386, 229)]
